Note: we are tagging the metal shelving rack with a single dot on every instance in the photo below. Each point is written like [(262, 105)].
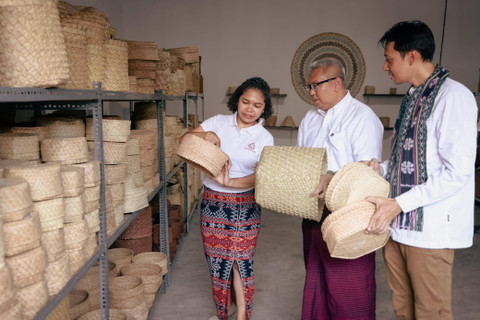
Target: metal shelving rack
[(39, 99)]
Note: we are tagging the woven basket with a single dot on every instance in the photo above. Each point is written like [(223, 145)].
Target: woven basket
[(93, 221), (188, 54), (143, 69), (285, 178), (41, 132), (92, 172), (53, 242), (141, 227), (117, 191), (149, 273), (51, 213), (76, 258), (145, 110), (138, 245), (19, 146), (158, 258), (76, 235), (92, 205), (120, 256), (7, 298), (92, 193), (76, 46), (116, 66), (113, 314), (14, 312), (33, 298), (271, 121), (142, 50), (202, 154), (61, 311), (354, 182), (126, 292), (147, 172), (91, 245), (65, 128), (133, 204), (115, 173), (34, 52), (133, 147), (79, 303), (74, 209), (91, 280), (16, 199), (96, 62), (346, 237), (112, 130), (73, 179), (114, 152), (133, 181), (57, 274), (146, 138), (22, 235), (44, 179), (65, 150), (27, 267)]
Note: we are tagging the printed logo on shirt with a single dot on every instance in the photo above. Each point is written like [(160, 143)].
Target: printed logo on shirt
[(250, 147)]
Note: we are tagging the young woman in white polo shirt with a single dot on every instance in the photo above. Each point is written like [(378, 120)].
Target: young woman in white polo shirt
[(230, 217)]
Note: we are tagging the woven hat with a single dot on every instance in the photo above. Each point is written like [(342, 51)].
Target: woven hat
[(288, 122), (73, 179), (328, 45), (354, 182), (344, 231), (285, 178), (202, 154)]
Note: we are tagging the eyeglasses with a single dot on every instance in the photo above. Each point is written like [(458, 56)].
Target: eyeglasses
[(315, 85)]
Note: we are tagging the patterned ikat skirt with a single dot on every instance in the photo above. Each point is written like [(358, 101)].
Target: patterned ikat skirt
[(230, 224)]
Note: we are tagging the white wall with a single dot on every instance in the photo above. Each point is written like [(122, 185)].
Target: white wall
[(240, 39)]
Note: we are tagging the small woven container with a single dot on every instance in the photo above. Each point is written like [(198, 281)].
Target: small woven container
[(140, 227), (345, 233), (92, 205), (92, 193), (138, 245), (33, 298), (133, 147), (19, 146), (79, 304), (53, 242), (22, 235), (120, 256), (115, 173), (113, 314), (113, 130), (114, 152), (65, 150), (117, 191), (65, 128), (158, 258), (57, 274), (90, 245), (44, 179), (27, 267), (202, 154), (126, 292), (16, 199), (73, 179), (149, 273), (133, 163), (76, 258), (74, 209), (76, 235), (93, 221), (285, 178), (92, 172), (36, 55), (51, 213), (354, 182), (142, 50)]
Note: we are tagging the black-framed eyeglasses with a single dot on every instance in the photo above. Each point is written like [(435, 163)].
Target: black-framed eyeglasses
[(314, 86)]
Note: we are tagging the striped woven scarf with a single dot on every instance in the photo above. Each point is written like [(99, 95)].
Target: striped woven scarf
[(407, 166)]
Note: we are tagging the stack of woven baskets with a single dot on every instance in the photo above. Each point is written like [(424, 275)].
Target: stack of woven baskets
[(151, 125), (170, 74), (148, 142), (194, 80), (138, 235), (142, 60)]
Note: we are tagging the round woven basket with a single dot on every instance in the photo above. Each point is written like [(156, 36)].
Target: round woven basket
[(114, 152), (145, 110), (115, 173), (7, 298), (133, 147), (41, 132), (19, 146), (16, 199), (44, 179), (134, 180), (36, 55), (33, 298), (76, 234), (202, 154), (133, 163), (91, 280), (22, 235), (271, 121), (51, 213), (120, 256), (133, 204), (354, 182), (146, 138), (149, 273), (113, 130), (14, 312), (285, 178), (92, 172), (138, 245), (92, 205), (113, 314), (96, 62), (79, 304), (73, 179), (57, 274), (91, 245), (65, 128), (346, 237), (53, 242), (93, 221), (27, 267), (76, 258), (126, 292), (158, 258), (65, 150), (117, 190), (147, 172), (74, 209), (92, 193)]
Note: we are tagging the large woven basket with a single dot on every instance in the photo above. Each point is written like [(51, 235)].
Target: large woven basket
[(149, 273), (75, 36), (65, 150), (33, 50), (285, 178), (344, 231), (202, 154), (33, 298), (19, 146), (126, 292), (92, 172), (54, 243), (116, 65), (158, 258), (113, 130), (73, 179), (140, 227), (115, 173), (138, 245), (22, 235), (64, 127), (51, 213), (41, 132), (27, 267), (57, 274), (16, 199), (142, 50), (354, 182)]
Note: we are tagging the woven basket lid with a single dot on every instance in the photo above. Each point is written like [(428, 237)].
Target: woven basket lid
[(354, 182), (65, 128), (346, 237), (74, 208), (202, 154), (16, 199), (285, 178)]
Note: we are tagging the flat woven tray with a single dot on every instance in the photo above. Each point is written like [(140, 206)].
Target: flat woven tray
[(285, 178)]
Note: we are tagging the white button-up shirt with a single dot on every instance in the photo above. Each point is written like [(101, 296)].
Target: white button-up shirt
[(350, 131)]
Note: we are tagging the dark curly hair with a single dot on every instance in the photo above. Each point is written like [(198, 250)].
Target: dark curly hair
[(252, 83)]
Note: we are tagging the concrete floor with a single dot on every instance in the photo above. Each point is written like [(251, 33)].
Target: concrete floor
[(279, 277)]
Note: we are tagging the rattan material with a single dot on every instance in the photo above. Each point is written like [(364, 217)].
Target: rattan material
[(51, 213), (346, 237), (133, 204), (7, 298), (92, 193), (113, 314), (96, 62), (91, 280), (36, 55), (33, 298), (142, 50), (158, 258), (79, 303), (126, 292), (22, 235), (16, 199), (90, 245), (133, 147), (73, 179), (117, 190), (74, 208), (134, 180), (27, 267), (93, 221), (271, 121), (65, 128), (285, 178), (19, 146), (113, 152), (115, 173), (146, 86), (76, 234), (113, 130), (65, 150), (188, 54), (44, 179), (143, 69), (139, 312), (145, 110), (53, 242), (147, 172), (119, 214), (116, 66), (2, 248), (41, 132), (149, 273), (57, 274), (14, 312), (76, 46), (76, 258), (92, 172), (120, 256), (202, 154), (354, 182), (61, 311), (92, 205), (146, 138)]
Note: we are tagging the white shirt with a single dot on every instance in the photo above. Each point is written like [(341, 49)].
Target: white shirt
[(350, 131), (243, 146), (447, 197)]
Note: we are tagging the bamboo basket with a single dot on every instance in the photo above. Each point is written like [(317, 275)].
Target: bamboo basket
[(22, 235), (16, 199), (27, 267)]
